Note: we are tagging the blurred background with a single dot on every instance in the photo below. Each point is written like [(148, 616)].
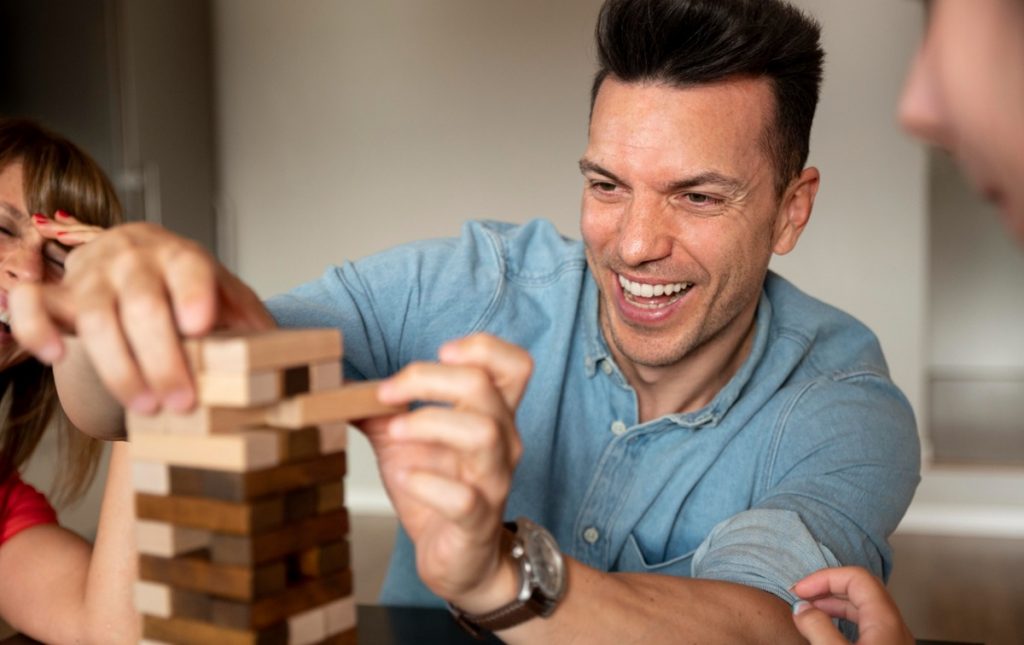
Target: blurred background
[(288, 136)]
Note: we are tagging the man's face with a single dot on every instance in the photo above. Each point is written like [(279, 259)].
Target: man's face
[(680, 214), (965, 93)]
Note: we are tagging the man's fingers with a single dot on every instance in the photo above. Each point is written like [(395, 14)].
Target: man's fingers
[(454, 500), (463, 431), (465, 387), (510, 366), (37, 313), (816, 626)]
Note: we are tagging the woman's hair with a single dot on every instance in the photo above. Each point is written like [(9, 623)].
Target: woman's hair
[(57, 175)]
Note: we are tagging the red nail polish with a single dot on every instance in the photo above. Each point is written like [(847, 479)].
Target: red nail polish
[(39, 217), (61, 214), (61, 233)]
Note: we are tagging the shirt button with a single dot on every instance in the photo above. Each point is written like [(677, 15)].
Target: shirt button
[(606, 367), (591, 535), (619, 428)]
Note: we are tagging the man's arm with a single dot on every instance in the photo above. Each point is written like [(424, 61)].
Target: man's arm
[(448, 472)]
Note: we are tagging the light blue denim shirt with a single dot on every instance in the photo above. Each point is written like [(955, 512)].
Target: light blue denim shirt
[(807, 458)]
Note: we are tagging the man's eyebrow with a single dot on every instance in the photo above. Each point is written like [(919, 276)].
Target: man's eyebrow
[(589, 166), (729, 184)]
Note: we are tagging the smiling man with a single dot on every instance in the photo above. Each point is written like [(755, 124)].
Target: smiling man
[(678, 433)]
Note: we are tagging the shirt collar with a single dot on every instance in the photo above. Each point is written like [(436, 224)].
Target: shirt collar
[(711, 414)]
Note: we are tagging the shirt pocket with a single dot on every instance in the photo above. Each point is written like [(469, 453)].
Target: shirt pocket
[(634, 559)]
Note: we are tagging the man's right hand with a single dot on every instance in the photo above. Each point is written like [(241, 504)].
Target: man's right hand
[(130, 295)]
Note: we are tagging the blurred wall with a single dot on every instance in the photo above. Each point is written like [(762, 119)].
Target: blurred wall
[(347, 127)]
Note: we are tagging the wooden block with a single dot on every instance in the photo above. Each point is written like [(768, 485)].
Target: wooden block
[(333, 437), (298, 445), (239, 389), (188, 632), (307, 628), (300, 504), (350, 402), (239, 549), (273, 609), (340, 615), (295, 380), (274, 349), (330, 497), (164, 601), (237, 518), (350, 637), (237, 452), (250, 485), (197, 573), (151, 477), (136, 422), (322, 560), (324, 376), (167, 540), (211, 419)]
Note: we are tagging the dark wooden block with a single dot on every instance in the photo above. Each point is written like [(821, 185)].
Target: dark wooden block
[(296, 380), (187, 632), (299, 445), (330, 497), (255, 549), (197, 573), (349, 637), (296, 599), (241, 518), (300, 504), (321, 560), (240, 487)]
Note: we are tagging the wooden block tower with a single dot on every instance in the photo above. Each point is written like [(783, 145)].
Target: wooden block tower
[(241, 522)]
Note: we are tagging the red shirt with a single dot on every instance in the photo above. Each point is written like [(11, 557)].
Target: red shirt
[(22, 507)]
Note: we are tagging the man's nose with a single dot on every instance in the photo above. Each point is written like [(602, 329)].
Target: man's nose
[(645, 235)]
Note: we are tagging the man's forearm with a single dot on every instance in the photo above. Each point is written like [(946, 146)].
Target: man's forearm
[(603, 607)]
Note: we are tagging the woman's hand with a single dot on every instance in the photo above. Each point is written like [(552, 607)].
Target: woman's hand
[(65, 229)]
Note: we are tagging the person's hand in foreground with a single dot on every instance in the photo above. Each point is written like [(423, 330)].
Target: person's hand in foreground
[(448, 468), (853, 594)]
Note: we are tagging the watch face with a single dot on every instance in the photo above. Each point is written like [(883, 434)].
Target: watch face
[(546, 561)]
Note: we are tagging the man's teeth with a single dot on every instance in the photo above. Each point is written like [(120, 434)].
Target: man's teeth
[(643, 290)]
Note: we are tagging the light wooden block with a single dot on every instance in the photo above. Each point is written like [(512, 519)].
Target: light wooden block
[(167, 540), (270, 350), (307, 627), (211, 419), (333, 437), (184, 630), (350, 402), (324, 376), (244, 389), (150, 477), (340, 615), (237, 452), (161, 600)]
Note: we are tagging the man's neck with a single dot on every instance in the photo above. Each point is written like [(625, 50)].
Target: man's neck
[(691, 383)]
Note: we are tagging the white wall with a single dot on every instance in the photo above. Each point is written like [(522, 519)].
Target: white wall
[(347, 127)]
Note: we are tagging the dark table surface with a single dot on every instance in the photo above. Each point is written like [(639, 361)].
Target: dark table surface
[(409, 626)]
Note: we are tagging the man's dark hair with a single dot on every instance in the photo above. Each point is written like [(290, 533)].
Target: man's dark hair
[(690, 42)]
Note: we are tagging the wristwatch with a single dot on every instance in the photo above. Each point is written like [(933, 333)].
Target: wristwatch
[(542, 581)]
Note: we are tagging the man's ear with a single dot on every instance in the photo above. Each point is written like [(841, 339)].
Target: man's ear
[(795, 211)]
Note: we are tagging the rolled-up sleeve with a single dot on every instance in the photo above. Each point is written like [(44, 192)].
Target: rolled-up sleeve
[(843, 466)]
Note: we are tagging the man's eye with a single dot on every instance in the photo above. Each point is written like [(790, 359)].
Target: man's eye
[(603, 186), (700, 199)]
